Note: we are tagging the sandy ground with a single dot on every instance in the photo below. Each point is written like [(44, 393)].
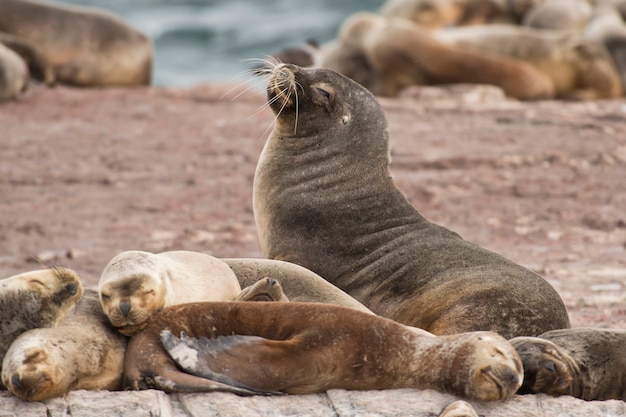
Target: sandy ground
[(86, 174)]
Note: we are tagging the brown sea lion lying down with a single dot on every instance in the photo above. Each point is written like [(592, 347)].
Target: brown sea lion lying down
[(300, 348)]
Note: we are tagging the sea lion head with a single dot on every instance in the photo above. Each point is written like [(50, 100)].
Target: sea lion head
[(547, 368), (132, 288), (266, 289), (58, 289), (321, 104), (30, 373), (495, 369)]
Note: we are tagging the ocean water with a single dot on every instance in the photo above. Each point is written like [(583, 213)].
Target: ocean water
[(209, 41)]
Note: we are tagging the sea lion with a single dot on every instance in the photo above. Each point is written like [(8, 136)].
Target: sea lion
[(299, 283), (401, 54), (136, 284), (606, 26), (253, 348), (34, 299), (578, 68), (38, 66), (82, 352), (435, 14), (86, 46), (570, 15), (323, 198), (582, 362), (13, 74)]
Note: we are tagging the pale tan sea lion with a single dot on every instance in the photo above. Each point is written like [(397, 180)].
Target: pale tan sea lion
[(82, 352), (86, 46), (136, 284), (401, 54), (572, 15), (13, 74), (323, 198), (578, 68), (263, 347), (583, 362), (298, 283)]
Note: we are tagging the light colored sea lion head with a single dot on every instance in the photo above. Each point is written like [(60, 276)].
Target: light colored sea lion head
[(31, 375), (496, 369), (132, 287), (266, 289), (547, 368)]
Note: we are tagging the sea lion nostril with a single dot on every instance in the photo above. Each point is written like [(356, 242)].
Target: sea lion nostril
[(550, 366), (125, 308), (16, 381)]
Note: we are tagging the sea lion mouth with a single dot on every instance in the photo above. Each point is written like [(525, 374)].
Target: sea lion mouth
[(281, 89)]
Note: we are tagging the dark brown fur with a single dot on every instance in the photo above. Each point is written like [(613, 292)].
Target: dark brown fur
[(324, 199), (301, 348), (585, 363)]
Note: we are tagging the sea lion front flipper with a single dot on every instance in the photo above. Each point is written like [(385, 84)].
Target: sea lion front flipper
[(194, 356), (38, 65)]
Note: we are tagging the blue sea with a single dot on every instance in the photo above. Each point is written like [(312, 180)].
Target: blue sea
[(209, 41)]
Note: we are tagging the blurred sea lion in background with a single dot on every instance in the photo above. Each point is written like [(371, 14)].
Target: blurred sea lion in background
[(387, 55), (38, 65), (435, 14), (578, 68), (559, 15), (14, 74), (86, 46)]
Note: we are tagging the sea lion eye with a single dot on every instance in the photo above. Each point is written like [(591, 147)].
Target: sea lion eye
[(324, 93), (105, 296)]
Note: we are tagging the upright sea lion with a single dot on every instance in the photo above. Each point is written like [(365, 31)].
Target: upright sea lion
[(299, 283), (301, 348), (35, 299), (83, 352), (13, 74), (85, 45), (579, 69), (401, 54), (585, 363), (323, 198), (136, 284)]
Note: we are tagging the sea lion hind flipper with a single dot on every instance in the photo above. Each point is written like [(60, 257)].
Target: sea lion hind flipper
[(192, 356)]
